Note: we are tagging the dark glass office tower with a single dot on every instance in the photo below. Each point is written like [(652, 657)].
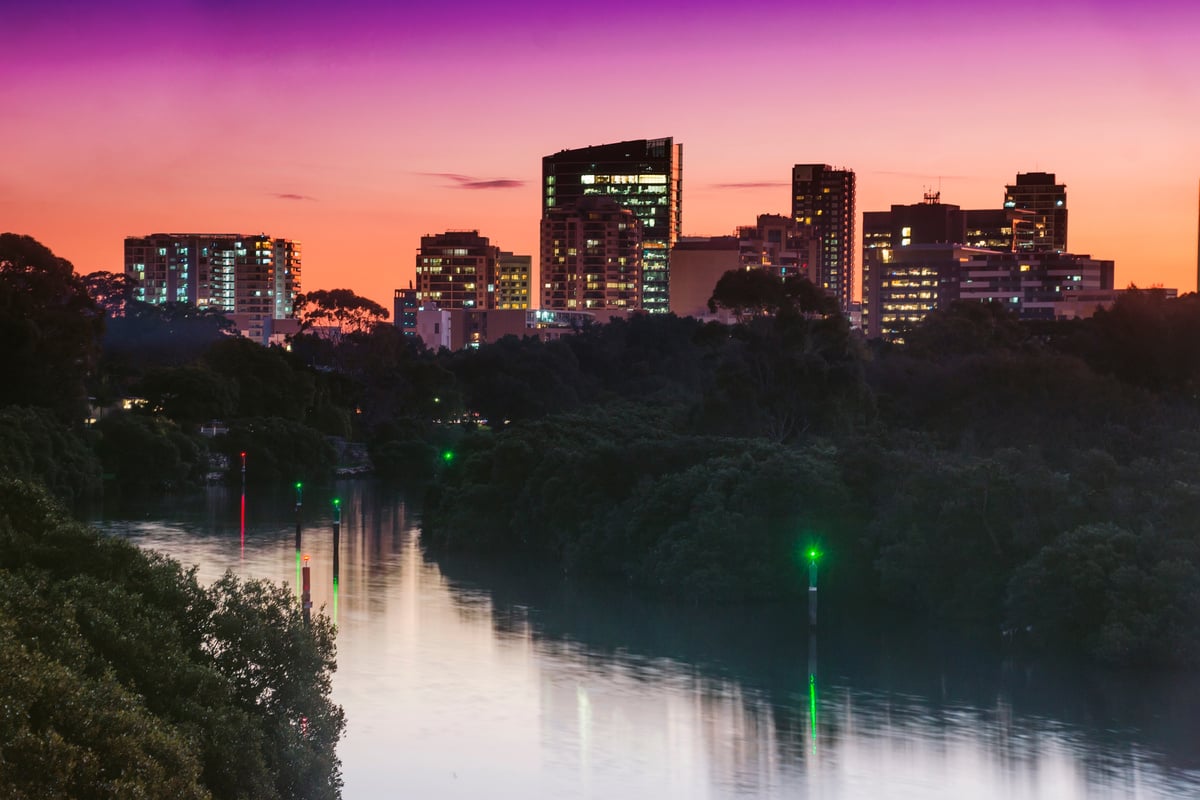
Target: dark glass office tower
[(642, 175), (823, 207), (1038, 193)]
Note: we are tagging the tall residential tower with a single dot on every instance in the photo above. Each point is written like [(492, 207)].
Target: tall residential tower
[(823, 208), (644, 176), (591, 256)]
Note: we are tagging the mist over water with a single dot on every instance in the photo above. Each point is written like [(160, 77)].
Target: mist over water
[(465, 678)]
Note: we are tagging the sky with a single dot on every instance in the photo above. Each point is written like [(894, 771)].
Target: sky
[(357, 128)]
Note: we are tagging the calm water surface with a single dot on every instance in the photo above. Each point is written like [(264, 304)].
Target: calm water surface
[(464, 679)]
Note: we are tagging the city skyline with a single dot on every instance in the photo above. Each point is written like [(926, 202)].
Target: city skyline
[(311, 124)]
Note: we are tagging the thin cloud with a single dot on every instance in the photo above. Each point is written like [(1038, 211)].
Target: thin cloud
[(751, 185), (470, 182), (292, 196)]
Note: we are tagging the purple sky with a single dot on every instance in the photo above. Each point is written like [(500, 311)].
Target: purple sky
[(357, 129)]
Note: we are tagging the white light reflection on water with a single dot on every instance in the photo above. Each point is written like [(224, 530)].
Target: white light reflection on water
[(461, 687)]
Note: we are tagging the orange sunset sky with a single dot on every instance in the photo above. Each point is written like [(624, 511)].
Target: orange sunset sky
[(337, 125)]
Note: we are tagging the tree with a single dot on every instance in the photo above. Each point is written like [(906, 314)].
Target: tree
[(757, 292), (148, 454), (37, 447), (747, 293), (111, 291), (964, 327), (50, 329), (341, 310), (189, 395), (269, 383)]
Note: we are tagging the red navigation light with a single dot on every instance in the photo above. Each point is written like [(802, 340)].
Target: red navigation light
[(306, 558)]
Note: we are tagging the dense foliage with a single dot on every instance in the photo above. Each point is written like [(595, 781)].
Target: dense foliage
[(120, 676)]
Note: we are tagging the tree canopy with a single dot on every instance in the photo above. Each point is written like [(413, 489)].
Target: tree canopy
[(121, 676), (341, 309), (757, 292), (50, 329)]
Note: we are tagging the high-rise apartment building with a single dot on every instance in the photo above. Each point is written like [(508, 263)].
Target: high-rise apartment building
[(404, 310), (256, 277), (514, 279), (456, 269), (823, 208), (1046, 200), (644, 176), (591, 256)]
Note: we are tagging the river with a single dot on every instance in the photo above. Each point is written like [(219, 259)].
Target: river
[(467, 679)]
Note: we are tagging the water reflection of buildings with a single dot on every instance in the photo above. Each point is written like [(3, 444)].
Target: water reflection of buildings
[(460, 676)]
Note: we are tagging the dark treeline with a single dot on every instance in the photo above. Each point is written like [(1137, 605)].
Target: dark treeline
[(1039, 479)]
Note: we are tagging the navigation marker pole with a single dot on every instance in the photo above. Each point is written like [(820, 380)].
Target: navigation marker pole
[(337, 541), (306, 597), (814, 555)]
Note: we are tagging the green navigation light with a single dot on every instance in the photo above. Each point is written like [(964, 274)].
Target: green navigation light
[(448, 456)]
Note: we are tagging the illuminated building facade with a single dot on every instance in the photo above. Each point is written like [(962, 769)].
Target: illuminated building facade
[(513, 283), (928, 223), (455, 269), (255, 277), (644, 176), (1037, 285), (823, 209), (906, 283), (1046, 200), (591, 256), (404, 310)]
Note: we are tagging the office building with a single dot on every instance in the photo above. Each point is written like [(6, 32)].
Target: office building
[(591, 256), (456, 269), (1046, 200), (1038, 285), (906, 283), (254, 279), (823, 209), (644, 176), (930, 222)]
